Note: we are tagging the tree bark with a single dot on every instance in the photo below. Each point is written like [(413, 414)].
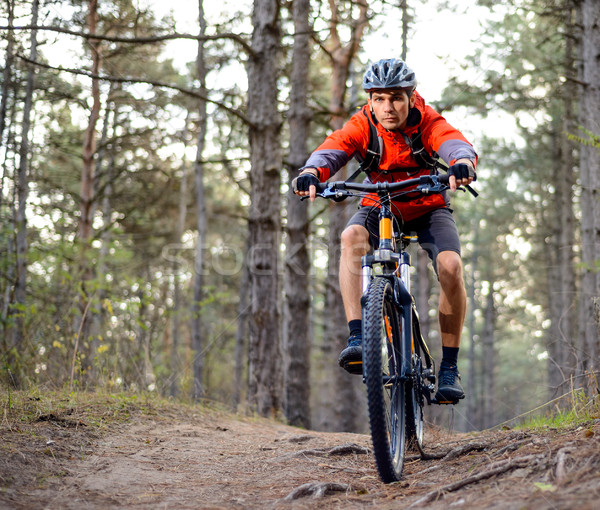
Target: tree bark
[(176, 365), (87, 193), (489, 360), (563, 286), (346, 411), (265, 360), (405, 20), (89, 144), (22, 196), (104, 180), (197, 326), (590, 180), (241, 334), (471, 394), (7, 76), (296, 317)]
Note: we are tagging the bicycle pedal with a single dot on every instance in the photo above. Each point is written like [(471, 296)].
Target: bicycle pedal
[(354, 367), (444, 402)]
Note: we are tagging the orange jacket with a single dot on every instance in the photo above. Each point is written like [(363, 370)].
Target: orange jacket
[(396, 163)]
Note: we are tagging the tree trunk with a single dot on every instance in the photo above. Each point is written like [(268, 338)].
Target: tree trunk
[(561, 281), (7, 76), (296, 317), (240, 334), (8, 246), (590, 180), (104, 181), (345, 387), (145, 335), (265, 372), (197, 327), (87, 194), (405, 20), (176, 365), (22, 196), (471, 394), (489, 360)]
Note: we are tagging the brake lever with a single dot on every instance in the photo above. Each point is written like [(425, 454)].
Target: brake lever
[(336, 195), (426, 189), (472, 191)]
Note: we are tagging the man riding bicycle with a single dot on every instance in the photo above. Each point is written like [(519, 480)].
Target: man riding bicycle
[(403, 123)]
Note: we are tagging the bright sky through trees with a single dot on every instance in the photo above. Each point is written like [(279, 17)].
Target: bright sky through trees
[(439, 40)]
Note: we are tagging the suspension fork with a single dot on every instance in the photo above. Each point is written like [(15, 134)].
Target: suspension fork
[(385, 253)]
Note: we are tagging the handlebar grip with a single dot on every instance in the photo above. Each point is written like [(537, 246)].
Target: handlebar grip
[(445, 179)]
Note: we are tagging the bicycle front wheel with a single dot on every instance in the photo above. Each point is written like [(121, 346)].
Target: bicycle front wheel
[(386, 392)]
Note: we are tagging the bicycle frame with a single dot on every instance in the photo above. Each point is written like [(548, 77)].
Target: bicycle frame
[(396, 263)]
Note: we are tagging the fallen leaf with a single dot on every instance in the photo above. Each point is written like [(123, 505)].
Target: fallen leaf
[(545, 487)]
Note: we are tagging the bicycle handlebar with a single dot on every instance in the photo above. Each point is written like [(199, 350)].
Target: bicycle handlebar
[(425, 184)]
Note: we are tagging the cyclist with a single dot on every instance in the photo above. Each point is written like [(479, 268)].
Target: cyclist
[(403, 121)]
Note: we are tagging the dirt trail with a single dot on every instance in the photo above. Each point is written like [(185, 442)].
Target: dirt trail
[(217, 461)]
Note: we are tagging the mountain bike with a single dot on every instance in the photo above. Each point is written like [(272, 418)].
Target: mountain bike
[(398, 369)]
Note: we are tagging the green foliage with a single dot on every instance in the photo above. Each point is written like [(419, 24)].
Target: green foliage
[(93, 409), (591, 140), (581, 412), (519, 68), (137, 193)]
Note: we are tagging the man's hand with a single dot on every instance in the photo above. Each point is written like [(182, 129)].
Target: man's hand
[(461, 173), (305, 184)]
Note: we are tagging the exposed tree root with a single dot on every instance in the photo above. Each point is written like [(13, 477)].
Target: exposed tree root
[(454, 453), (344, 449), (317, 490), (561, 457), (511, 447), (495, 469)]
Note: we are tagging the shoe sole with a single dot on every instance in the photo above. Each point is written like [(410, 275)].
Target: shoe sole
[(440, 398), (353, 367)]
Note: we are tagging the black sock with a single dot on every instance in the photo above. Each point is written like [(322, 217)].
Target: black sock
[(449, 357), (355, 327)]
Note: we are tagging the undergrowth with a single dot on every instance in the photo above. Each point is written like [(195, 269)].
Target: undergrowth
[(581, 410), (96, 409)]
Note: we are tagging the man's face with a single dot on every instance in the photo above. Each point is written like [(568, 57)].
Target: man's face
[(391, 107)]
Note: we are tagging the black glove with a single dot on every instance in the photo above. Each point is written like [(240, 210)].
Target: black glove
[(304, 182), (462, 171)]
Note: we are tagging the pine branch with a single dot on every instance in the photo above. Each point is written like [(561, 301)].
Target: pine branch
[(154, 83), (138, 40)]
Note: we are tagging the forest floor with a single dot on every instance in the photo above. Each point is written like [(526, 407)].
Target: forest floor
[(103, 452)]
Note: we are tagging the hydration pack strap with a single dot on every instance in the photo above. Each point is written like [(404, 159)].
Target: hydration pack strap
[(420, 155), (370, 163)]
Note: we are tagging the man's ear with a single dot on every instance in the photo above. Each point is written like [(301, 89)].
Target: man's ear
[(412, 99)]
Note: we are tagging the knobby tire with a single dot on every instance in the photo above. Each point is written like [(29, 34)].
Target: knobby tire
[(386, 393)]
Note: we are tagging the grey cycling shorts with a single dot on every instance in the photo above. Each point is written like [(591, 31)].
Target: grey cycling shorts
[(436, 230)]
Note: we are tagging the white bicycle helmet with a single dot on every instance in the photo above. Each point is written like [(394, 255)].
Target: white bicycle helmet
[(390, 73)]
